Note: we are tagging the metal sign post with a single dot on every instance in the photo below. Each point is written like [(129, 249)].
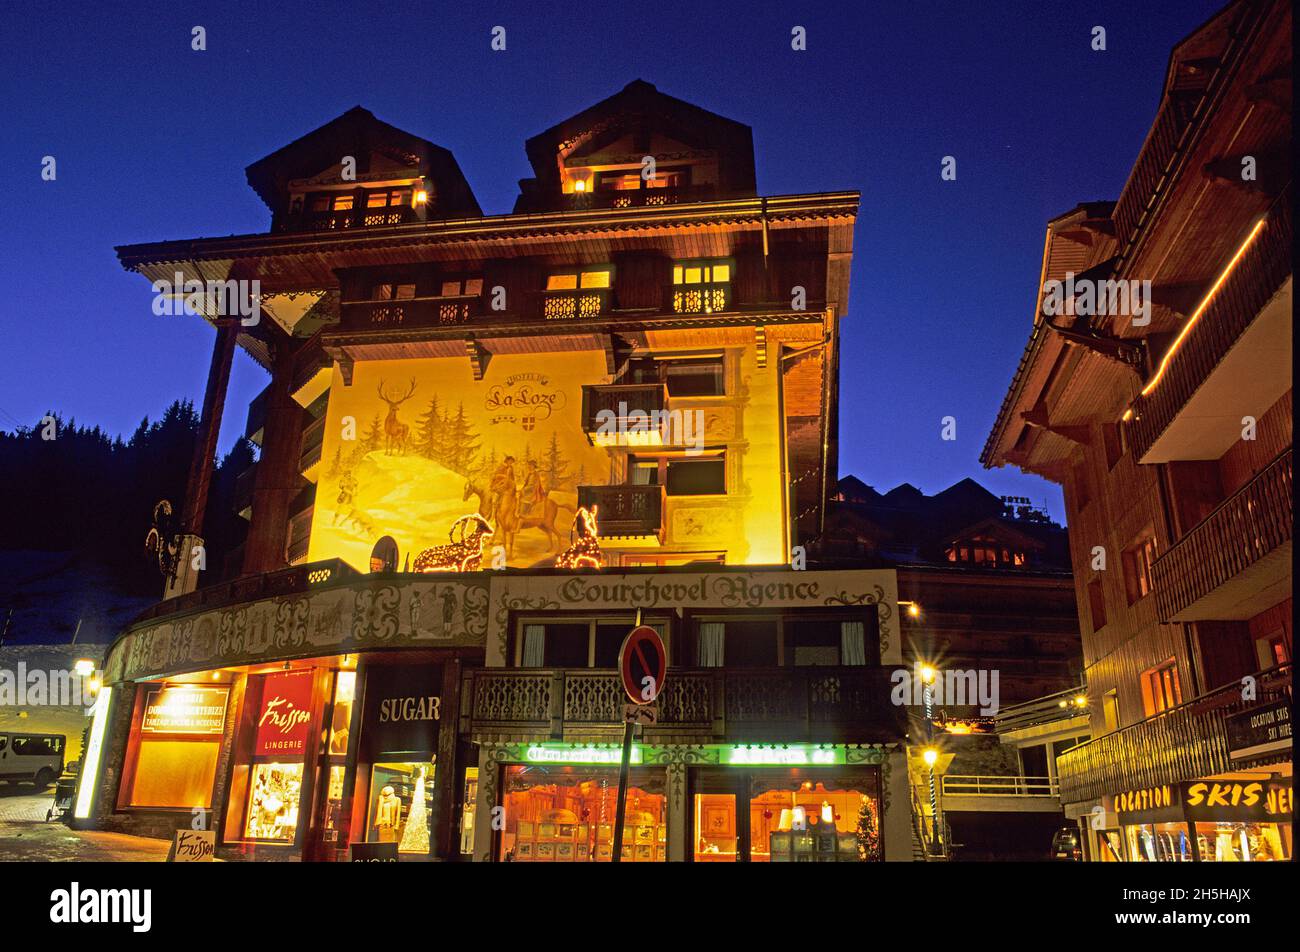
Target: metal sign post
[(642, 664)]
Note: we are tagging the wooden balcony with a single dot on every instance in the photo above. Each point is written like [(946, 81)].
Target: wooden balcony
[(243, 502), (698, 705), (579, 304), (1182, 743), (1237, 561), (350, 219), (411, 312), (638, 198), (256, 419), (626, 512), (312, 439), (1234, 361), (622, 400)]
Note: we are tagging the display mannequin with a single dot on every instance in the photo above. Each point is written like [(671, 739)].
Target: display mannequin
[(388, 814)]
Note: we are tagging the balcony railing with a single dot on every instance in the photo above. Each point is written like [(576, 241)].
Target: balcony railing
[(626, 511), (1255, 280), (701, 298), (620, 399), (284, 582), (574, 304), (411, 312), (957, 785), (312, 439), (244, 482), (350, 218), (811, 704), (639, 198), (1044, 710), (1182, 743), (1247, 526), (1149, 174)]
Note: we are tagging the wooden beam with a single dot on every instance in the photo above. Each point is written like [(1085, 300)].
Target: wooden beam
[(760, 345), (478, 357), (1037, 417), (1126, 352)]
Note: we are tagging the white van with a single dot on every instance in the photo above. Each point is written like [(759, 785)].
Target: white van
[(34, 758)]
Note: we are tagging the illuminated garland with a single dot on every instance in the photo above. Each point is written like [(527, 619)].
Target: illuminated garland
[(461, 555), (585, 552)]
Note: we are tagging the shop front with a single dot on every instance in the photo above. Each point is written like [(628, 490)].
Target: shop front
[(701, 803), (1214, 820)]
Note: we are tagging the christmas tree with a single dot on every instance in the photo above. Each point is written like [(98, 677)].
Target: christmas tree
[(868, 832), (415, 835)]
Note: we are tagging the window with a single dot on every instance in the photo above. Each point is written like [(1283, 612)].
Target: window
[(1273, 650), (1138, 560), (701, 287), (335, 203), (701, 377), (1110, 709), (28, 746), (1097, 604), (750, 644), (1160, 688), (576, 642), (572, 280), (388, 198), (630, 180), (697, 476), (392, 292), (470, 287)]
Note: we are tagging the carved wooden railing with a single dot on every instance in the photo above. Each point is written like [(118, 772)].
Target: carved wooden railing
[(1240, 531), (411, 312), (769, 704), (621, 399), (626, 511), (639, 198), (345, 219), (1182, 743), (1256, 278)]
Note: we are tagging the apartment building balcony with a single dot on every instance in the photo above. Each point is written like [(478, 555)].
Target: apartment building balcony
[(1182, 743), (256, 420), (697, 706), (571, 305), (1237, 561), (352, 218), (1234, 362), (627, 410), (628, 514), (244, 482)]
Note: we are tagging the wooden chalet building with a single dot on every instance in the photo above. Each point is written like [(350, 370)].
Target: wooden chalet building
[(435, 372), (1171, 433)]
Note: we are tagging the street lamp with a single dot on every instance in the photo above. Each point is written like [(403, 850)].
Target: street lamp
[(931, 755)]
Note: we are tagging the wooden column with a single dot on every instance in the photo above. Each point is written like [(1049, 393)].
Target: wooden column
[(277, 479), (203, 459)]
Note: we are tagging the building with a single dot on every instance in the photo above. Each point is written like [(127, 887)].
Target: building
[(618, 402), (988, 595), (1164, 410)]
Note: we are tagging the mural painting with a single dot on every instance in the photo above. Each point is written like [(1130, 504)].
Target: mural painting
[(412, 446)]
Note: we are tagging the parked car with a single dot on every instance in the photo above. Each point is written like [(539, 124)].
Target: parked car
[(31, 758), (1066, 845)]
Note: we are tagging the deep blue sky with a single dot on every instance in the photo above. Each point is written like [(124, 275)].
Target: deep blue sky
[(152, 139)]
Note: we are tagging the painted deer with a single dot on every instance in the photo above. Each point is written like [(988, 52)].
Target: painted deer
[(463, 554), (585, 552), (395, 431)]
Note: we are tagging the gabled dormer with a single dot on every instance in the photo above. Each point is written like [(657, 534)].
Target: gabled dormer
[(598, 158), (359, 172)]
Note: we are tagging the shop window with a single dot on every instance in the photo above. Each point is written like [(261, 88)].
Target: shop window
[(1159, 843), (1096, 604), (266, 784), (399, 805), (469, 807), (1160, 688), (813, 820), (1137, 562), (1228, 842), (274, 792), (566, 814), (178, 739)]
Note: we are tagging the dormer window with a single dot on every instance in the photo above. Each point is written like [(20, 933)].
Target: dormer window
[(701, 287), (388, 198), (983, 550), (577, 293)]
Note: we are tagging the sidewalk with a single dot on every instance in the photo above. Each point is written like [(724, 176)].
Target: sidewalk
[(27, 839)]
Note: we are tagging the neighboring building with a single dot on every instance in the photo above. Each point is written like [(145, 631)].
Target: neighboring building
[(1170, 432), (987, 590), (435, 371)]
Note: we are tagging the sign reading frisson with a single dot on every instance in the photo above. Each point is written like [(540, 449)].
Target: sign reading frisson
[(185, 710)]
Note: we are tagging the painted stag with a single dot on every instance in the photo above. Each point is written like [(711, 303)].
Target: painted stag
[(395, 431)]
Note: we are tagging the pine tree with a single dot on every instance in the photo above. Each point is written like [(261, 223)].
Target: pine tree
[(462, 443), (373, 438), (556, 470), (429, 432)]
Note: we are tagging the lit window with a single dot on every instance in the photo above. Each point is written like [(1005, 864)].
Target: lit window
[(1161, 689), (701, 287), (562, 282), (1138, 560)]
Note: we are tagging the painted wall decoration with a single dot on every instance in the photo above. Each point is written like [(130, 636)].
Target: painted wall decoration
[(413, 445)]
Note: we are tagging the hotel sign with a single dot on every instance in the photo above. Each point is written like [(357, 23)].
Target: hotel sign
[(1260, 731), (185, 710)]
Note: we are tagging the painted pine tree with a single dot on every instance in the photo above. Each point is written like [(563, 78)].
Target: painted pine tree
[(556, 468), (429, 430)]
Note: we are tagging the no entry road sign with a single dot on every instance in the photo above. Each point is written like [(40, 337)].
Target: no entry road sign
[(642, 664)]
